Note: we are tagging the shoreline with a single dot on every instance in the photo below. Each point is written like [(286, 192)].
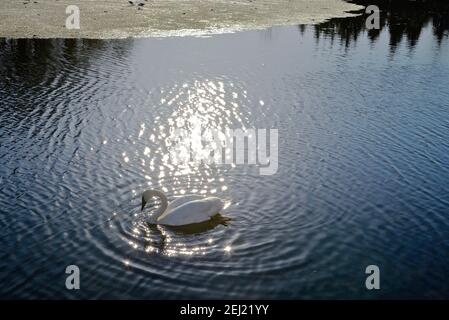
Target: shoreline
[(116, 19)]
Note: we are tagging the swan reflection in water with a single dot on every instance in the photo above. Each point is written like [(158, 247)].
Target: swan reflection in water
[(201, 227), (161, 241)]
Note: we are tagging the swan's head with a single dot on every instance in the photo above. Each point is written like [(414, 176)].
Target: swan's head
[(148, 194)]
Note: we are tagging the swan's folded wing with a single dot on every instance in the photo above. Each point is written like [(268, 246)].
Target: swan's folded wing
[(178, 201), (195, 211)]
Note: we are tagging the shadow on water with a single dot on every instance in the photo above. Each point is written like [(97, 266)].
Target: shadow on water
[(402, 18), (201, 227), (33, 66), (160, 242)]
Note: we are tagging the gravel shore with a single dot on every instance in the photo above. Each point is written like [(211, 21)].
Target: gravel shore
[(144, 18)]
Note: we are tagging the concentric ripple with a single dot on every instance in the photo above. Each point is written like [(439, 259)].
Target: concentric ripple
[(87, 126)]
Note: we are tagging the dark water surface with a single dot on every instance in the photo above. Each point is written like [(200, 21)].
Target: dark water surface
[(363, 176)]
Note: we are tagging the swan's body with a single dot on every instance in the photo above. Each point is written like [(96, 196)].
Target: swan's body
[(183, 210)]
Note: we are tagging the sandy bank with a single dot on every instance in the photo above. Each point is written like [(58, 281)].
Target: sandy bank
[(119, 18)]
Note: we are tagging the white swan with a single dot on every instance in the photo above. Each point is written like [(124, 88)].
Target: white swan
[(183, 210)]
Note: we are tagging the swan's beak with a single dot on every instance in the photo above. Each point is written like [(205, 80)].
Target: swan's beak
[(143, 203)]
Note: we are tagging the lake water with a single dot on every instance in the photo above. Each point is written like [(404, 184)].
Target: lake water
[(363, 175)]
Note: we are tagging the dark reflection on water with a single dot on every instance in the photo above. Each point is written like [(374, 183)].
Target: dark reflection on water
[(201, 227), (362, 176), (402, 18)]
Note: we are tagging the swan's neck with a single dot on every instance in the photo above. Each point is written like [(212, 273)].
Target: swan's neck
[(164, 202)]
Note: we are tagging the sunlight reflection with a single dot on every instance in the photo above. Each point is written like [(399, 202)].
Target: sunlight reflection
[(192, 107)]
